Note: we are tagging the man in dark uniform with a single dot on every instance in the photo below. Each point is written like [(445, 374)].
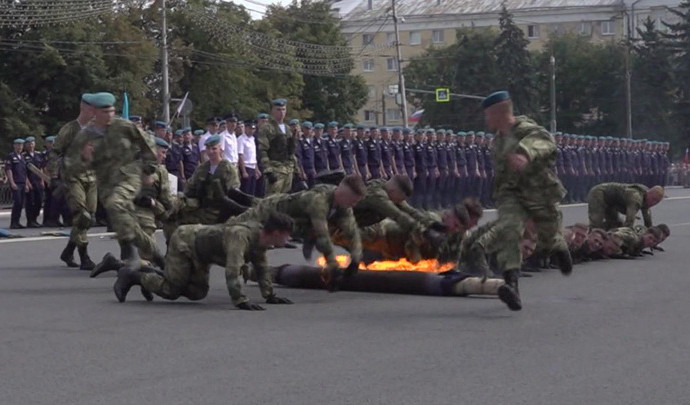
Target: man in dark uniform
[(472, 165), (173, 160), (460, 190), (306, 148), (333, 147), (360, 152), (487, 191), (320, 150), (347, 150), (443, 173), (570, 168), (374, 154), (558, 168), (452, 169), (408, 153), (15, 168), (419, 149), (34, 197), (190, 154), (432, 173), (397, 152), (665, 163), (386, 153)]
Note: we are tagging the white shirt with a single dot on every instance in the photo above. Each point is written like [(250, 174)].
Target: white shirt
[(247, 148), (202, 141), (282, 128), (229, 146)]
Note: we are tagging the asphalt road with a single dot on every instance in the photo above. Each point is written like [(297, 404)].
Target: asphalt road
[(614, 332)]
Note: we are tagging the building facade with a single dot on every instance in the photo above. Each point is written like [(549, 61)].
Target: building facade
[(368, 24)]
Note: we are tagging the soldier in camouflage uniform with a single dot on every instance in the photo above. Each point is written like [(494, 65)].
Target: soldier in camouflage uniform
[(632, 243), (119, 153), (277, 150), (607, 200), (80, 186), (201, 203), (525, 187), (194, 248), (315, 211)]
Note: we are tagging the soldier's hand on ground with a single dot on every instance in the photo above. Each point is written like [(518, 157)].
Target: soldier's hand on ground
[(277, 300), (248, 306), (517, 161)]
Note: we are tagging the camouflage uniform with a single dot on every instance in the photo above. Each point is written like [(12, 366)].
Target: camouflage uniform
[(194, 248), (475, 248), (277, 155), (631, 240), (377, 206), (314, 213), (117, 163), (531, 194), (80, 185), (199, 204), (148, 216), (607, 200)]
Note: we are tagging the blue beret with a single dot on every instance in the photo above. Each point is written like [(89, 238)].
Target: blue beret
[(178, 132), (470, 133), (361, 126), (495, 98), (397, 129), (30, 139), (186, 129), (99, 100), (318, 125), (231, 118), (280, 102), (480, 133), (160, 124), (262, 116), (19, 140), (420, 131), (559, 133), (383, 129), (490, 136), (348, 125), (462, 133), (161, 142), (199, 132), (307, 124), (333, 124), (50, 138), (406, 130), (294, 121), (212, 140), (222, 122), (373, 128), (429, 130), (441, 131), (212, 120), (134, 118)]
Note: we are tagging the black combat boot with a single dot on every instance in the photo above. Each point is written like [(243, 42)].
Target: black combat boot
[(16, 225), (509, 292), (67, 254), (130, 255), (86, 262), (564, 260), (109, 262), (126, 278)]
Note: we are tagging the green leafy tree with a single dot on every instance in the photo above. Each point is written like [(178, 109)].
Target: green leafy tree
[(679, 44)]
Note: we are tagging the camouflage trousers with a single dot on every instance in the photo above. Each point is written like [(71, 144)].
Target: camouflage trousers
[(147, 221), (283, 178), (600, 214), (82, 197), (185, 275), (118, 200), (513, 214), (388, 240), (188, 212)]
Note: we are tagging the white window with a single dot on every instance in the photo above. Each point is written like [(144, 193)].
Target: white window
[(368, 65), (608, 28), (437, 36), (390, 38), (533, 31), (369, 115), (371, 91), (392, 64), (415, 38), (585, 28), (393, 114), (367, 39)]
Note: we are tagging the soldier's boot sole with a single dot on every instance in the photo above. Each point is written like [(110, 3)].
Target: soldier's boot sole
[(126, 279), (510, 297), (109, 263), (565, 261)]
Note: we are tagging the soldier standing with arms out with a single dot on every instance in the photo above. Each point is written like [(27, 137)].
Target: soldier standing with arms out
[(119, 153), (34, 197), (277, 150), (80, 186), (525, 187), (360, 152), (15, 168)]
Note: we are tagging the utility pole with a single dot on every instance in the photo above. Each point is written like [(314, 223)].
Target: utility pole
[(553, 94), (401, 77), (164, 64)]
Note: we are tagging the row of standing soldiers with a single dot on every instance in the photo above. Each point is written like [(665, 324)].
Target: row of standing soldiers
[(584, 161), (441, 164)]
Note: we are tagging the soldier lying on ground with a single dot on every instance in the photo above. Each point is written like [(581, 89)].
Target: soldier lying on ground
[(194, 248), (607, 200)]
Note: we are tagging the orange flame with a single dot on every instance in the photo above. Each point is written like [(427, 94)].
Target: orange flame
[(429, 266)]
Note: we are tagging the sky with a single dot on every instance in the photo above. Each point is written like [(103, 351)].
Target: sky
[(257, 8)]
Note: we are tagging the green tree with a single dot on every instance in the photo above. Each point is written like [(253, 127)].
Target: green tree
[(679, 45), (515, 63)]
